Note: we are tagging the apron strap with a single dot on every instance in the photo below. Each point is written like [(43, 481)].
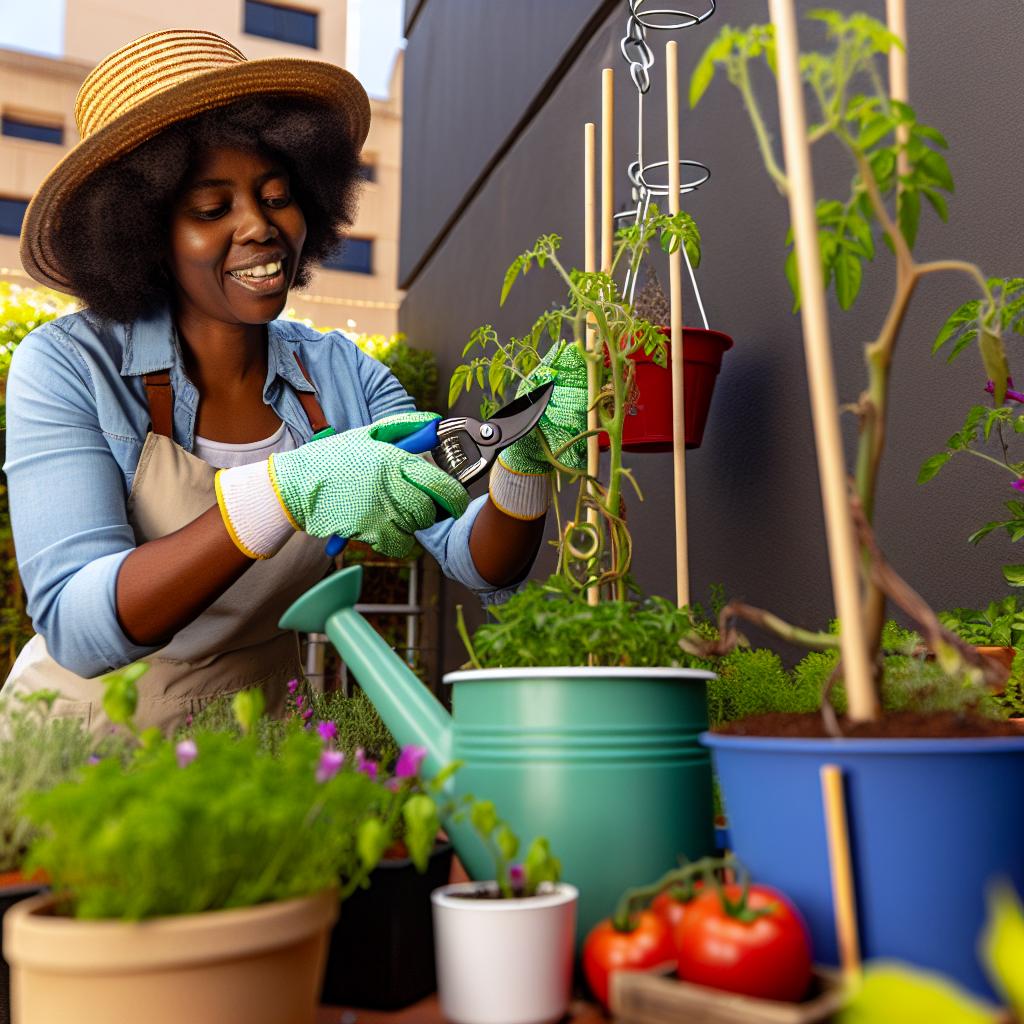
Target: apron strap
[(310, 405), (161, 402)]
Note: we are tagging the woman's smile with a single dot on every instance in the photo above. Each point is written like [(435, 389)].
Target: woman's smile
[(263, 278)]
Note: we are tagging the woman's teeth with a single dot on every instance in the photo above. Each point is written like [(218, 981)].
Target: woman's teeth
[(264, 270)]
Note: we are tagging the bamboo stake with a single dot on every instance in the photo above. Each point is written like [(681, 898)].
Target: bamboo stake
[(590, 265), (675, 288), (844, 903), (899, 89), (607, 167), (863, 705)]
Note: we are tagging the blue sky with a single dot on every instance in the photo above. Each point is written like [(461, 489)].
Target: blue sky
[(375, 28)]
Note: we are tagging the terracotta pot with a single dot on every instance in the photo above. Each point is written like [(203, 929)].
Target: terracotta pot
[(1004, 655), (648, 424), (261, 965), (14, 887)]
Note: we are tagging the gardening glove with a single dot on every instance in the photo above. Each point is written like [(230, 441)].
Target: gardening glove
[(520, 480), (353, 484)]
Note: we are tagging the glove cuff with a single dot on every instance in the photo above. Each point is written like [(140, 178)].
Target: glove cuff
[(519, 495), (254, 515)]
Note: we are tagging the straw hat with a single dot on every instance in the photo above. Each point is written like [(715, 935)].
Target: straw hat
[(151, 84)]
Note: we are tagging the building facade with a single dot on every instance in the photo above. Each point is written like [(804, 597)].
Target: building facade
[(358, 290)]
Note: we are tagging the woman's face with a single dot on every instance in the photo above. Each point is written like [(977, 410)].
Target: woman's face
[(236, 234)]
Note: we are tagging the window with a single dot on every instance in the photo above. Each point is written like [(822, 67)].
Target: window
[(23, 128), (12, 213), (368, 169), (356, 256), (284, 23)]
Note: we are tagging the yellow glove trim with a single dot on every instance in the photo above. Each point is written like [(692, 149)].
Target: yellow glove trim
[(277, 491)]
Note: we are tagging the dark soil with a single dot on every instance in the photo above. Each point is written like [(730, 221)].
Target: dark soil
[(898, 725), (485, 891)]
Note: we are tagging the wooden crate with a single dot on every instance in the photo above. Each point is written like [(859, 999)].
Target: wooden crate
[(638, 998)]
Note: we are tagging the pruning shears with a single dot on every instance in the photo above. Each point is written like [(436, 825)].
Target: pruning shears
[(463, 446)]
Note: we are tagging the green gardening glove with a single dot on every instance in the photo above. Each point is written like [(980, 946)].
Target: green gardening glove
[(357, 484), (564, 418)]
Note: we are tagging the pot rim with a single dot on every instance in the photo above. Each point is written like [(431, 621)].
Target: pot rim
[(666, 331), (35, 939), (562, 894), (575, 672), (876, 745)]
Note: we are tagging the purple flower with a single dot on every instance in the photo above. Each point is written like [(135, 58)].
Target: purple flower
[(327, 730), (365, 764), (307, 714), (1018, 485), (298, 701), (330, 763), (293, 685), (93, 759), (188, 718), (409, 761), (516, 876), (1015, 396), (186, 752)]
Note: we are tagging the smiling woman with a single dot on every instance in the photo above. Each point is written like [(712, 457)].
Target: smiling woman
[(170, 469)]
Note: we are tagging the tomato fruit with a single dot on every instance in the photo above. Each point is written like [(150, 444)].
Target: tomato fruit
[(753, 943), (670, 904), (648, 947)]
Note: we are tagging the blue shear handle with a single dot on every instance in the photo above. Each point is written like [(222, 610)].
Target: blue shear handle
[(422, 440)]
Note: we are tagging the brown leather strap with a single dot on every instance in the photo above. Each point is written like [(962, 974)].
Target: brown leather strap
[(310, 405), (161, 402)]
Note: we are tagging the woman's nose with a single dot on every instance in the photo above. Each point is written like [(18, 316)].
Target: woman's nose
[(255, 226)]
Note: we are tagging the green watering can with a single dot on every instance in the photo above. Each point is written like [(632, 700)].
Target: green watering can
[(603, 761)]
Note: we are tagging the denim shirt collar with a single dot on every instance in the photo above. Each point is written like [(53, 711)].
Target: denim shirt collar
[(151, 343)]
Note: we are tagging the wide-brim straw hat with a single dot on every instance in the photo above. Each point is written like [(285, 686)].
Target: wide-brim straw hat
[(155, 82)]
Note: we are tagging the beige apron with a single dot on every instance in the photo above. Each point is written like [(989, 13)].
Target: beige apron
[(236, 643)]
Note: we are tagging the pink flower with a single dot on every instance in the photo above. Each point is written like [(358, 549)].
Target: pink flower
[(409, 761), (93, 759), (293, 685), (186, 752), (330, 763), (298, 701), (307, 714), (516, 876), (327, 730), (1018, 485), (365, 764), (188, 718)]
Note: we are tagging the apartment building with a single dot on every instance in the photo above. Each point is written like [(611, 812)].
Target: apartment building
[(358, 290)]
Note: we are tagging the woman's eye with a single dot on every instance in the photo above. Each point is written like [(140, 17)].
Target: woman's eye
[(277, 202), (210, 212)]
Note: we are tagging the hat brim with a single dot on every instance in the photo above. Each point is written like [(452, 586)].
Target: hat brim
[(274, 76)]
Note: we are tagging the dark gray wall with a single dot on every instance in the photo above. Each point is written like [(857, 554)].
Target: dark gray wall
[(754, 509)]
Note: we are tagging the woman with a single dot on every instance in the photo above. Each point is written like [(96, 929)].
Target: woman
[(168, 498)]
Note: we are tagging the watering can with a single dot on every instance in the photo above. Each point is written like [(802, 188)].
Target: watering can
[(604, 762)]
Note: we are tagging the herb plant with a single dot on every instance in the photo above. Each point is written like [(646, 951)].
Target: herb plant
[(897, 166), (1000, 624)]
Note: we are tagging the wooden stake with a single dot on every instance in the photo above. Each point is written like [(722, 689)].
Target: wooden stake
[(675, 288), (863, 705), (844, 902), (607, 167), (899, 84), (590, 265)]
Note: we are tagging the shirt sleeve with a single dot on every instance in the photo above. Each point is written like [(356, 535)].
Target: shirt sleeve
[(448, 540), (68, 507)]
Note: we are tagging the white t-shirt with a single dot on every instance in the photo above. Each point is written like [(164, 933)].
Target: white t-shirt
[(222, 455)]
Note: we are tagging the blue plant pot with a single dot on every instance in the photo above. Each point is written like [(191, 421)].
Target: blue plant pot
[(932, 823)]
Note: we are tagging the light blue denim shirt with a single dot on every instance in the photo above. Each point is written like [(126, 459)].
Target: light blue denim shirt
[(77, 419)]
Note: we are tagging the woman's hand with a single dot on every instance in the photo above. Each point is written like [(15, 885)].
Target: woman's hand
[(520, 479), (355, 484)]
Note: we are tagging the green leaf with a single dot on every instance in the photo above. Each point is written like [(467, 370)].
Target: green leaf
[(702, 76), (937, 169), (247, 707), (993, 355), (909, 214), (874, 131), (848, 271), (460, 375), (793, 277), (938, 203), (897, 995), (931, 466), (519, 265), (1014, 575)]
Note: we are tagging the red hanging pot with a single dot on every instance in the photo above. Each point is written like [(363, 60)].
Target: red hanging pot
[(648, 423)]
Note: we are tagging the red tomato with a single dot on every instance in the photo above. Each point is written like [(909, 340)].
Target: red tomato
[(648, 947), (768, 957), (670, 905)]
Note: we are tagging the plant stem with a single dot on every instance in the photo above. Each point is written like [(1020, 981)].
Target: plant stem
[(741, 77)]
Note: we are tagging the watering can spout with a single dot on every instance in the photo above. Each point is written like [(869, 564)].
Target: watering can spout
[(409, 710)]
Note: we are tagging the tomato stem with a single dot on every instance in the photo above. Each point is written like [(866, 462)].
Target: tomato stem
[(681, 878)]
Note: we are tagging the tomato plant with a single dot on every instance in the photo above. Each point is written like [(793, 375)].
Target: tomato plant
[(745, 939), (644, 945)]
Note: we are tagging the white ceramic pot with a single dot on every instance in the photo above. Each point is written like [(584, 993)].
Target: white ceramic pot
[(504, 961)]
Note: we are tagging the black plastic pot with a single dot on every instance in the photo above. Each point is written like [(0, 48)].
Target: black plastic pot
[(381, 953), (9, 895)]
